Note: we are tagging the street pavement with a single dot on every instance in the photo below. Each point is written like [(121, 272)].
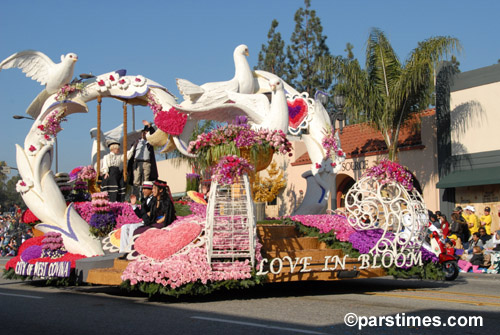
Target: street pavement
[(289, 308)]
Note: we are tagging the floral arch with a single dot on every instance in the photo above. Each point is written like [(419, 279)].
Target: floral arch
[(34, 160)]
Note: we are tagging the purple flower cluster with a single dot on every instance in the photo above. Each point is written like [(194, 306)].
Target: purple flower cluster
[(73, 175), (33, 252), (102, 221), (428, 256), (230, 168), (390, 172), (192, 176), (364, 240)]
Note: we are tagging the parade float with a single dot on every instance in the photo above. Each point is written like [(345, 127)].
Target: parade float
[(218, 244)]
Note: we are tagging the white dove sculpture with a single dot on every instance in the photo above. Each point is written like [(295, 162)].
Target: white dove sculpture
[(256, 107), (215, 93), (41, 68)]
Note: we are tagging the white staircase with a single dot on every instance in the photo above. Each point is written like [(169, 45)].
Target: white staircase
[(231, 230)]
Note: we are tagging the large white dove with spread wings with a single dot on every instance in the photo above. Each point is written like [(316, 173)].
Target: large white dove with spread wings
[(215, 93), (260, 112), (41, 68)]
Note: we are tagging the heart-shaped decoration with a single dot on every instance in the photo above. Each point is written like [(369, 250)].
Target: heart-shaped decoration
[(160, 244), (297, 112), (172, 121)]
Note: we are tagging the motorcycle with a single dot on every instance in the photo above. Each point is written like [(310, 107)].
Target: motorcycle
[(449, 263)]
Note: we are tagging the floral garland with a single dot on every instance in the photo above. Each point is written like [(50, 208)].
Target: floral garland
[(386, 172), (52, 124), (330, 144), (230, 168), (171, 122), (67, 89)]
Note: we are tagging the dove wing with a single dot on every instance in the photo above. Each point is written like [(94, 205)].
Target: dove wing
[(35, 64), (258, 103), (221, 113), (216, 92)]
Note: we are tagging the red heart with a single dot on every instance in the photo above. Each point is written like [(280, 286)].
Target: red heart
[(160, 244), (297, 112)]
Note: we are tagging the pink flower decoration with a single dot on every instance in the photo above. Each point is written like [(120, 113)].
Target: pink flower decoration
[(32, 148), (160, 244), (318, 166), (171, 122)]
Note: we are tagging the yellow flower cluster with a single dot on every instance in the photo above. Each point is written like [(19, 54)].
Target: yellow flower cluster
[(267, 189)]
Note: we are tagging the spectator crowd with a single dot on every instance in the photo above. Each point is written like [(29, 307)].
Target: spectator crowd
[(469, 238), (12, 232)]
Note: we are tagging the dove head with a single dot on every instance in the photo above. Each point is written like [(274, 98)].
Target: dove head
[(241, 50), (71, 57), (275, 84)]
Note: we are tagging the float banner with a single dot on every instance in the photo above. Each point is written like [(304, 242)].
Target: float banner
[(43, 269)]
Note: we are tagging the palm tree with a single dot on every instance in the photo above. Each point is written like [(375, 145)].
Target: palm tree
[(387, 92)]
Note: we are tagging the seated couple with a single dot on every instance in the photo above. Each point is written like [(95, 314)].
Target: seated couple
[(156, 211)]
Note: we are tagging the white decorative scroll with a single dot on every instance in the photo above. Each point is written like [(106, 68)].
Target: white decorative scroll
[(400, 213)]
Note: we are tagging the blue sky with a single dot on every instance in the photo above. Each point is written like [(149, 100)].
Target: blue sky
[(164, 40)]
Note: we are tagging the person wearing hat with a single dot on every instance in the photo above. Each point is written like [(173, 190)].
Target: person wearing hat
[(162, 211), (112, 171), (472, 219), (147, 197), (486, 220), (127, 230), (141, 164)]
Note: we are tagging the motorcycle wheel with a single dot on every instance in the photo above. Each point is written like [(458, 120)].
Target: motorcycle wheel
[(450, 269)]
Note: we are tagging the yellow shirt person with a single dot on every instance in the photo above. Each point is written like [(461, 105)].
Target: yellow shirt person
[(472, 219), (485, 220)]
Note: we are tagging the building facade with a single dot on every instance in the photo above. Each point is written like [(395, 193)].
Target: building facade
[(468, 118)]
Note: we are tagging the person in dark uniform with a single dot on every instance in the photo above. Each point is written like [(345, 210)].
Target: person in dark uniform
[(147, 199), (127, 231), (141, 164)]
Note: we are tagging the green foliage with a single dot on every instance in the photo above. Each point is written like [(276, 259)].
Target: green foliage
[(306, 50), (182, 210), (272, 57), (192, 184), (430, 271), (196, 288), (388, 92)]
